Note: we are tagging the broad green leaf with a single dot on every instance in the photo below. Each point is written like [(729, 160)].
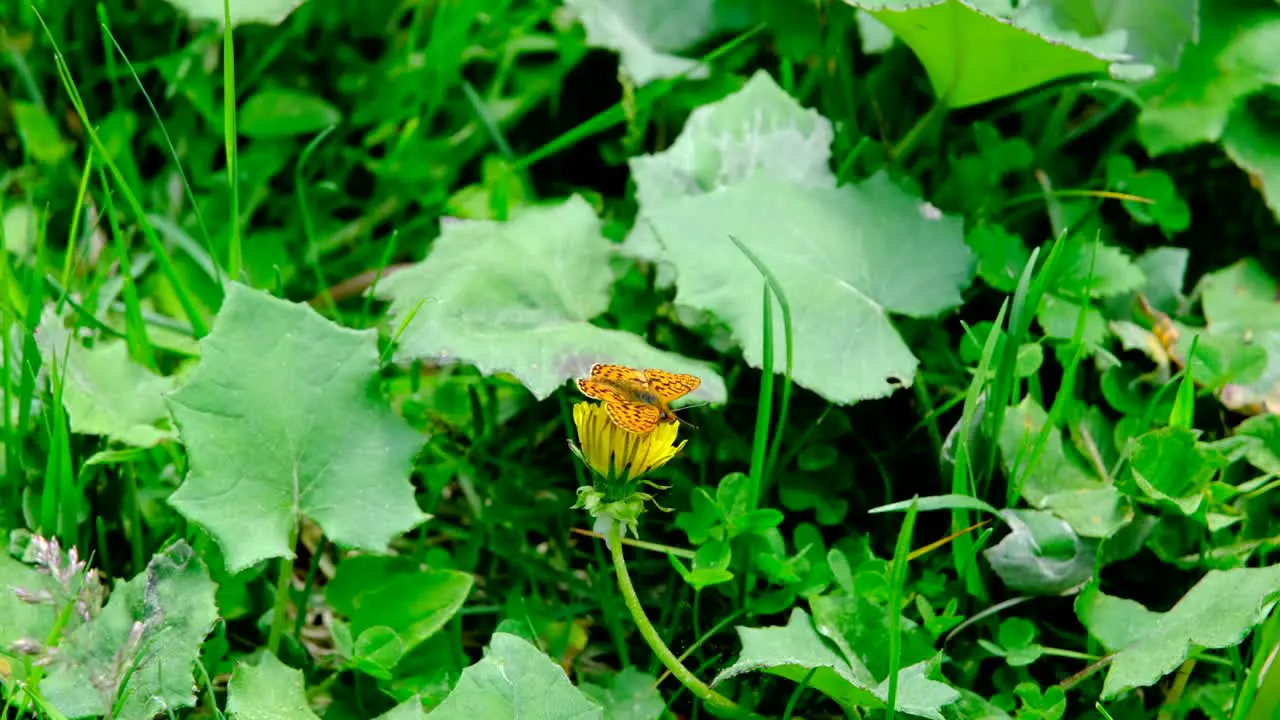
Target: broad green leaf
[(39, 132), (795, 650), (647, 33), (1166, 209), (104, 391), (396, 593), (1156, 30), (281, 415), (143, 645), (1055, 480), (1240, 297), (269, 12), (410, 709), (519, 297), (1041, 555), (978, 51), (267, 690), (280, 113), (1168, 464), (1092, 269), (1251, 141), (859, 628), (629, 695), (515, 680), (758, 130), (1217, 613), (1237, 53), (845, 258), (1001, 255)]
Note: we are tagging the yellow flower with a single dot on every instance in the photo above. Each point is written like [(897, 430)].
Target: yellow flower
[(619, 456), (618, 461)]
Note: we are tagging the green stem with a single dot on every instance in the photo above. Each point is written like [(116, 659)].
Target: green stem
[(650, 634), (278, 614)]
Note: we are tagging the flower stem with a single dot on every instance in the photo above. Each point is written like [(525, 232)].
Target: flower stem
[(703, 691)]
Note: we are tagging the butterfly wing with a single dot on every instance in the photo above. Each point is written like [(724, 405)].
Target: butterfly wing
[(601, 390), (669, 385), (633, 417), (617, 374)]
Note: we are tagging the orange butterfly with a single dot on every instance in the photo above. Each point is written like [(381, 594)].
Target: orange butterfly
[(637, 400)]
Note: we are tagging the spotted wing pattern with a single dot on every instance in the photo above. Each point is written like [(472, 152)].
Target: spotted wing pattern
[(633, 417), (617, 374), (669, 385), (601, 390)]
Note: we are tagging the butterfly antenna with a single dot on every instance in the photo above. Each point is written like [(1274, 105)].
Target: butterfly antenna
[(684, 422)]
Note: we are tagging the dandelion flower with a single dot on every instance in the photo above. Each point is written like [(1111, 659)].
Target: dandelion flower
[(618, 461)]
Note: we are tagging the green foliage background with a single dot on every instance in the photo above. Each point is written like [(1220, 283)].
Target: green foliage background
[(982, 296)]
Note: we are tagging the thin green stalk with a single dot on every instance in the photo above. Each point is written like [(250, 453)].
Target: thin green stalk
[(650, 634), (312, 571), (173, 151), (229, 133), (764, 409), (278, 613), (163, 260), (135, 519), (308, 225), (897, 581), (135, 328), (775, 445), (68, 263)]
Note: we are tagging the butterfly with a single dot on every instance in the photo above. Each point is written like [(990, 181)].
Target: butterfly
[(637, 400)]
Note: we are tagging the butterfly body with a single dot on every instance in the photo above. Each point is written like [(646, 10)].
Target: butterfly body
[(637, 400)]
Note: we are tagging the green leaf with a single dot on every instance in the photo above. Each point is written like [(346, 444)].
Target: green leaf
[(267, 690), (859, 628), (143, 645), (18, 229), (19, 620), (1053, 479), (645, 33), (281, 414), (515, 680), (1091, 269), (794, 650), (1168, 210), (629, 695), (1238, 49), (269, 12), (1234, 58), (104, 391), (1253, 144), (845, 260), (1169, 464), (937, 502), (410, 709), (1217, 613), (1041, 555), (39, 132), (519, 297), (397, 593), (973, 55), (758, 130), (1001, 255), (1157, 30), (282, 113)]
